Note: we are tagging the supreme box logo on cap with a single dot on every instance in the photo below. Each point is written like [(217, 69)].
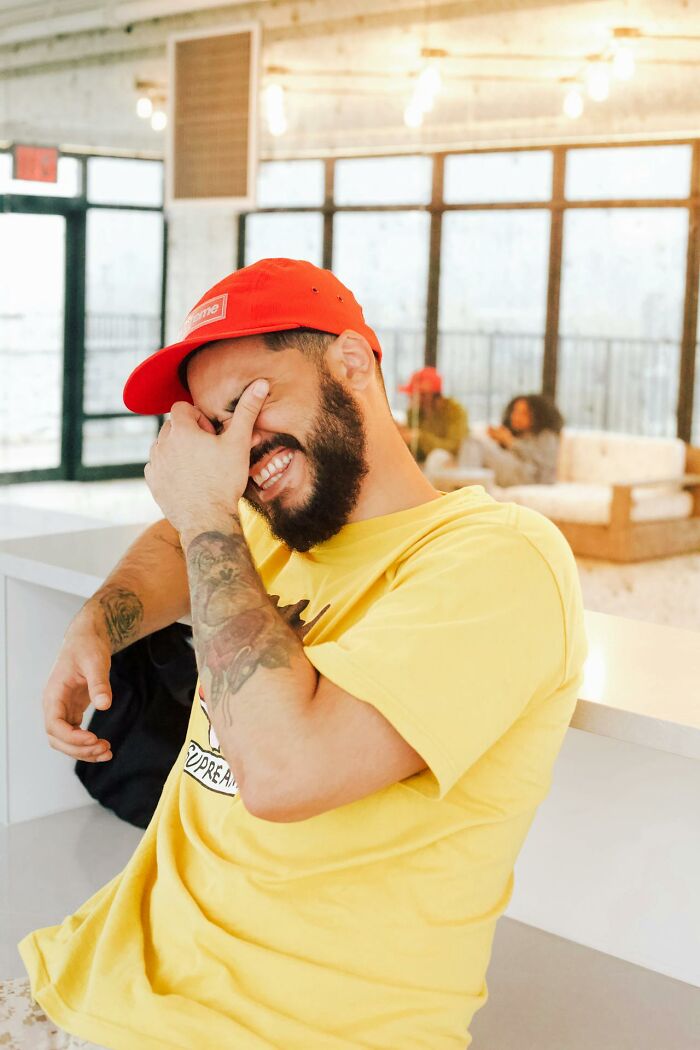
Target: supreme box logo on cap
[(208, 311)]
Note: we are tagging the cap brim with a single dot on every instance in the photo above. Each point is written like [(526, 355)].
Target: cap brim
[(153, 387)]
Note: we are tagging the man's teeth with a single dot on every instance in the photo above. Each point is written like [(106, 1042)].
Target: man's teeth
[(270, 473)]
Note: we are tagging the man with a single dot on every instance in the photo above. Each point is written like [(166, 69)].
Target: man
[(432, 421), (386, 677)]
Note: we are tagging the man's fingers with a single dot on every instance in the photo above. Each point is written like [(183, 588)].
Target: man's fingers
[(97, 678), (68, 732), (204, 423), (248, 407), (181, 410), (99, 752)]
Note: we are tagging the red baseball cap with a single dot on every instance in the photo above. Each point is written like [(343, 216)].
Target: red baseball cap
[(272, 295), (426, 381)]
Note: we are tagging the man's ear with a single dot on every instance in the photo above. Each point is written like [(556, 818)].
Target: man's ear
[(350, 358)]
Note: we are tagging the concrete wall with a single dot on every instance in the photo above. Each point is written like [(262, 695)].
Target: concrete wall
[(350, 66)]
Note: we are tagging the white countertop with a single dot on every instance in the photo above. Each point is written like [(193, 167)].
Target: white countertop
[(642, 684), (642, 680)]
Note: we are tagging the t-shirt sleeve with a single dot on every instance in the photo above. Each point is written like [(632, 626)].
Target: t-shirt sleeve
[(469, 632)]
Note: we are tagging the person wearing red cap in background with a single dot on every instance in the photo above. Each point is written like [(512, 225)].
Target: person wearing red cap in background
[(387, 673), (432, 421)]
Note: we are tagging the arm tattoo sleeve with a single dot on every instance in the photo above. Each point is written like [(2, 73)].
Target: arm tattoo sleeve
[(236, 627), (123, 613)]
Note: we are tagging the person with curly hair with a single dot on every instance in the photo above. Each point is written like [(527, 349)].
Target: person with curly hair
[(524, 449)]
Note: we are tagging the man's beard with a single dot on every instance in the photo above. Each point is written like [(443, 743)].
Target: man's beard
[(336, 454)]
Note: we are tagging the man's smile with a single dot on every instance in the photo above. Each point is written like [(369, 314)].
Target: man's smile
[(274, 467)]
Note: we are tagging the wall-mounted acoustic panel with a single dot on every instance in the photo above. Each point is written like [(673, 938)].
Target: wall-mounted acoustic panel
[(212, 119)]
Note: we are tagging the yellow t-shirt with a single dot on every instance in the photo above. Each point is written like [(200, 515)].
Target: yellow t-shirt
[(371, 925)]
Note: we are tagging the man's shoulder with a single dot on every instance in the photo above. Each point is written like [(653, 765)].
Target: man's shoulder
[(497, 534)]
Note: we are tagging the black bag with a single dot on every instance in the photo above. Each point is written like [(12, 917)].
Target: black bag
[(153, 682)]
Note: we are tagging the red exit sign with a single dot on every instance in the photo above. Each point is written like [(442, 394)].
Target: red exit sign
[(35, 164)]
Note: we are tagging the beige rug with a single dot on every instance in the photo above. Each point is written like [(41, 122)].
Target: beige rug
[(666, 590)]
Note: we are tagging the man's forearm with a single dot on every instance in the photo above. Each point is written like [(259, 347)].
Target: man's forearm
[(256, 679), (146, 590)]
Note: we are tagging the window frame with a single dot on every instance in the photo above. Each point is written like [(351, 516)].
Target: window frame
[(73, 417), (557, 204)]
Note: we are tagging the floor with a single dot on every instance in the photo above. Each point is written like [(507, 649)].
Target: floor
[(545, 993)]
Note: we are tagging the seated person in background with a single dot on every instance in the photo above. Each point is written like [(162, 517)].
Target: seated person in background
[(432, 421), (524, 449)]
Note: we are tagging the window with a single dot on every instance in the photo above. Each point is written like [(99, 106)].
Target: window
[(275, 235), (112, 441), (290, 183), (76, 316), (32, 267), (383, 258), (124, 255), (629, 172), (621, 318), (383, 180), (120, 180), (485, 178), (493, 300)]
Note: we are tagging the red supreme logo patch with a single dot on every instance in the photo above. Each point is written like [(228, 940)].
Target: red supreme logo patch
[(205, 313)]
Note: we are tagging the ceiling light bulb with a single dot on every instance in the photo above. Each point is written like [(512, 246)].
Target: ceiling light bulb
[(573, 103), (598, 82), (277, 124), (144, 107), (158, 120), (413, 115), (623, 65), (274, 98)]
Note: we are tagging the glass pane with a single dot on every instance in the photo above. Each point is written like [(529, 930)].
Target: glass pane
[(629, 172), (695, 435), (623, 276), (68, 185), (384, 180), (32, 266), (383, 258), (109, 441), (119, 180), (282, 183), (284, 237), (481, 178), (123, 295), (493, 303)]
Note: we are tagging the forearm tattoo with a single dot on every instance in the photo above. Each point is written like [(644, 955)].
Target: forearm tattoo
[(236, 628), (123, 613)]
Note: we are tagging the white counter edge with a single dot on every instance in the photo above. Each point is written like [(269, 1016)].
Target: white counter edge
[(591, 716)]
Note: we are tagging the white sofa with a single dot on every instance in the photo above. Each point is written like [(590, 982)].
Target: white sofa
[(591, 462), (618, 496)]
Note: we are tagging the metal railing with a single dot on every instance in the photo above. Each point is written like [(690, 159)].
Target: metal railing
[(627, 385)]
